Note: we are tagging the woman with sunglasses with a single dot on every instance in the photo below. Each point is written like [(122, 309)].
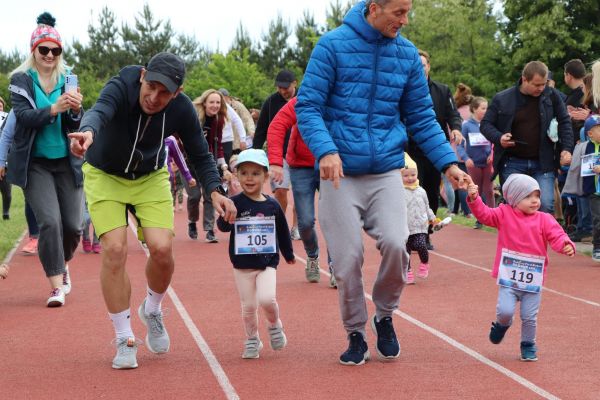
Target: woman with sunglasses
[(40, 161)]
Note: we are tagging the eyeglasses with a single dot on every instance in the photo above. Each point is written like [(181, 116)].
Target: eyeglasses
[(56, 51)]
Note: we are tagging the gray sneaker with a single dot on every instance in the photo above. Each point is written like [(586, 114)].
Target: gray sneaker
[(332, 281), (278, 339), (157, 338), (251, 348), (126, 354), (295, 233), (312, 270)]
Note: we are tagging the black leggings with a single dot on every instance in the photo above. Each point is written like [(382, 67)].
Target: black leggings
[(6, 189), (418, 243)]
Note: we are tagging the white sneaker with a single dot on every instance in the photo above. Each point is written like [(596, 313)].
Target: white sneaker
[(66, 285), (126, 354), (56, 299)]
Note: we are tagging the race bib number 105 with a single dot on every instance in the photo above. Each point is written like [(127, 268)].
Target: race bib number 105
[(255, 235), (521, 271)]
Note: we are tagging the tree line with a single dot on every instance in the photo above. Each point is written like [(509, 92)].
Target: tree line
[(482, 43)]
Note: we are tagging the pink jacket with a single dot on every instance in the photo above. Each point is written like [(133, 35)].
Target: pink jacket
[(520, 232)]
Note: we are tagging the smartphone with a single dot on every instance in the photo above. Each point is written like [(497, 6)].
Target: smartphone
[(71, 83), (519, 142)]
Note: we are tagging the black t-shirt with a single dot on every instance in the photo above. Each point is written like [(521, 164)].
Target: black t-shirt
[(526, 128)]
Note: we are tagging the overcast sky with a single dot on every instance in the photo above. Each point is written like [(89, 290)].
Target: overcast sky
[(211, 22)]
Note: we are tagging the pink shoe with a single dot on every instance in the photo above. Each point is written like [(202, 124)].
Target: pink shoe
[(423, 271), (410, 278), (87, 245), (31, 246), (97, 248)]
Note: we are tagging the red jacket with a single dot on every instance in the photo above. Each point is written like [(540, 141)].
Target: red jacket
[(298, 154)]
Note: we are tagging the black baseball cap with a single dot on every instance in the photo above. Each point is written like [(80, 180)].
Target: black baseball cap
[(166, 68), (284, 78)]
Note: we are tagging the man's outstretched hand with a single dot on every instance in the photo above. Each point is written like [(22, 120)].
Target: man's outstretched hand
[(80, 142)]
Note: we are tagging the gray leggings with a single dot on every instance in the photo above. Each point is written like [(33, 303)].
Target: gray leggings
[(375, 203), (530, 305), (56, 203)]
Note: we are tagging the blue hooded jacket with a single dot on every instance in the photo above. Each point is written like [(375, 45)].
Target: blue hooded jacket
[(360, 92)]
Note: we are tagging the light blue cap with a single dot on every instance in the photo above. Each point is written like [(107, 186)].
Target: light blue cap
[(255, 156)]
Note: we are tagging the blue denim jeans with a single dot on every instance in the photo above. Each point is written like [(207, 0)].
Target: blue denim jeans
[(584, 214), (514, 165), (305, 182)]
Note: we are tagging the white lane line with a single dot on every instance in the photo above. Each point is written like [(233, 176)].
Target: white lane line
[(12, 251), (459, 346), (547, 289), (211, 359)]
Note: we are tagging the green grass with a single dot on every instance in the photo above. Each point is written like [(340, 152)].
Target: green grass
[(459, 219), (11, 230)]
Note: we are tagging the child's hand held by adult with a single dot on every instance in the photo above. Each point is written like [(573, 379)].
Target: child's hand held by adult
[(568, 249)]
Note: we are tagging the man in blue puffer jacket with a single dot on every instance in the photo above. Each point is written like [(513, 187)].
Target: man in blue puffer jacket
[(363, 87)]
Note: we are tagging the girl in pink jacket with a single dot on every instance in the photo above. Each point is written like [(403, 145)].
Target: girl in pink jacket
[(521, 254)]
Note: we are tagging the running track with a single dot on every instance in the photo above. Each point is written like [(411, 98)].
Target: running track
[(442, 325)]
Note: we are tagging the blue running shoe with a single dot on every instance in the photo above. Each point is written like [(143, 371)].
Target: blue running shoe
[(497, 332), (357, 352), (388, 346), (528, 351)]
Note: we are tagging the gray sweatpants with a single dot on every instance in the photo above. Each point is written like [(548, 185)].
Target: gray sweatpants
[(530, 305), (375, 203), (56, 203)]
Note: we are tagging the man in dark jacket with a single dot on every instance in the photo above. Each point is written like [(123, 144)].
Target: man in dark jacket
[(122, 138), (517, 122), (450, 121), (286, 84)]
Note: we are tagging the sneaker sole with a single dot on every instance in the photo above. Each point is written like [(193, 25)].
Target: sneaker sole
[(366, 357), (529, 359), (116, 366), (384, 357), (54, 304), (143, 319), (212, 241)]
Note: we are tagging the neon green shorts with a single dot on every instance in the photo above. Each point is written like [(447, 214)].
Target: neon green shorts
[(108, 197)]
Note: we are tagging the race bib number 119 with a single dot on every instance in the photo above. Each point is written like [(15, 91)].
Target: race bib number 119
[(521, 271)]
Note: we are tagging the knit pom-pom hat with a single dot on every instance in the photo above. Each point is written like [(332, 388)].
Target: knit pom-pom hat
[(45, 31)]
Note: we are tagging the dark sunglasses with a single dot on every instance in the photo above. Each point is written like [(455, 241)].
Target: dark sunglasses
[(56, 51)]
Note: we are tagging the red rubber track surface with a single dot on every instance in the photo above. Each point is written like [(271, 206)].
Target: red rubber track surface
[(66, 353)]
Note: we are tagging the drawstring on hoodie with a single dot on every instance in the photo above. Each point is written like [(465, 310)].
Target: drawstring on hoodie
[(134, 144), (137, 134), (162, 141)]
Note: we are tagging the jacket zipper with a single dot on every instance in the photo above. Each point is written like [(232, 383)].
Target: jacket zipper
[(373, 85)]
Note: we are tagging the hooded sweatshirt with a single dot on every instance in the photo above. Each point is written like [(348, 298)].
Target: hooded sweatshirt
[(130, 143)]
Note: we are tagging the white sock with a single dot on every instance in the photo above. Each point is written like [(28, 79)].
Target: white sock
[(153, 301), (122, 324)]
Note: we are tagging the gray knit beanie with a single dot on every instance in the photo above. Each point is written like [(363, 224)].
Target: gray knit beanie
[(517, 187)]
